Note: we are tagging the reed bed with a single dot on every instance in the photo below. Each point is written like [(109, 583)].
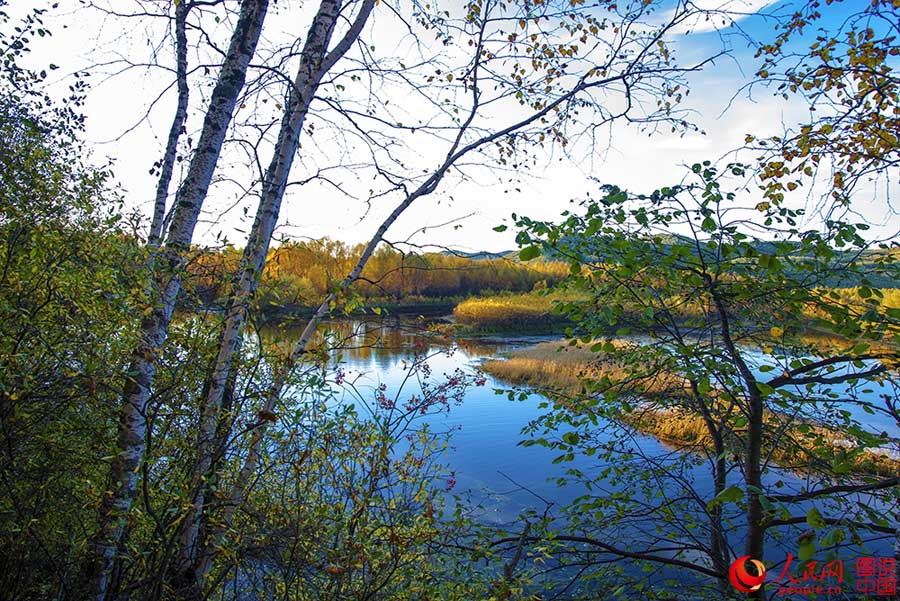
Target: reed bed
[(560, 371), (510, 312)]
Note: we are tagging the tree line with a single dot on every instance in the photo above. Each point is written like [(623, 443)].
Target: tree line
[(299, 273)]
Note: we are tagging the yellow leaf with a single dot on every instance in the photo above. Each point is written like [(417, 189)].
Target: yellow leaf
[(776, 332)]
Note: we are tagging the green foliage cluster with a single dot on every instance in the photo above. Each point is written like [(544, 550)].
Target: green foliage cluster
[(69, 286), (759, 287)]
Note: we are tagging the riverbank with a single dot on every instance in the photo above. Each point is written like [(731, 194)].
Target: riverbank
[(536, 311), (407, 307), (559, 371)]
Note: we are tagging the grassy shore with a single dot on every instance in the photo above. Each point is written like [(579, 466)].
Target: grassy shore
[(510, 313), (561, 368), (534, 311), (559, 371)]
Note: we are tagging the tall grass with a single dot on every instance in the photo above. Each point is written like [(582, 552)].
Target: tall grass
[(535, 311), (559, 371), (511, 312), (558, 367)]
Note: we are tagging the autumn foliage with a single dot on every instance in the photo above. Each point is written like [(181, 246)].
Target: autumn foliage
[(301, 273)]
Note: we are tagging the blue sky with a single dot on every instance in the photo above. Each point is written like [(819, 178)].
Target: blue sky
[(460, 214)]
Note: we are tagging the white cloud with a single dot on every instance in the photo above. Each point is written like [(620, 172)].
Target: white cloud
[(721, 14)]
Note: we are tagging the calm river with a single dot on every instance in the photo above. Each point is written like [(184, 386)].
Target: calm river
[(489, 465)]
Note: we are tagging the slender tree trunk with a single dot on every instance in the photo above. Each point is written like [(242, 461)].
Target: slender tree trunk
[(718, 543), (132, 429), (756, 529), (314, 63), (753, 478), (167, 165)]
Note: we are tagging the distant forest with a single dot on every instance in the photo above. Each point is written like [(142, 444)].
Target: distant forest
[(298, 273)]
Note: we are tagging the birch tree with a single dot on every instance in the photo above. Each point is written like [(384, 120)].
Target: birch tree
[(167, 164), (123, 476), (315, 61)]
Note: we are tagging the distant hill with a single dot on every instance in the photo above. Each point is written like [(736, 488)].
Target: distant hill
[(866, 260), (762, 246), (482, 254)]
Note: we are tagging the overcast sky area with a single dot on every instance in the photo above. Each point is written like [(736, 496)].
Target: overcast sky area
[(128, 116)]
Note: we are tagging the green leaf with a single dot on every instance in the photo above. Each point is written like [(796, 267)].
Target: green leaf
[(571, 438), (764, 389), (529, 252), (815, 519), (840, 465), (500, 228), (833, 537), (732, 494), (703, 386), (807, 546)]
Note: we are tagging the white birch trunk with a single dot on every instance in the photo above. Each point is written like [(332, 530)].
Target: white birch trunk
[(132, 429), (167, 164), (315, 61)]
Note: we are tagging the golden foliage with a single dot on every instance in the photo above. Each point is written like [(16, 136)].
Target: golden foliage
[(301, 273)]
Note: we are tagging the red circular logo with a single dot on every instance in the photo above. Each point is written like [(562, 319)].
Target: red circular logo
[(743, 580)]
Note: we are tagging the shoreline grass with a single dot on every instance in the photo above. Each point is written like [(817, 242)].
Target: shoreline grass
[(535, 310), (511, 312), (558, 370)]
